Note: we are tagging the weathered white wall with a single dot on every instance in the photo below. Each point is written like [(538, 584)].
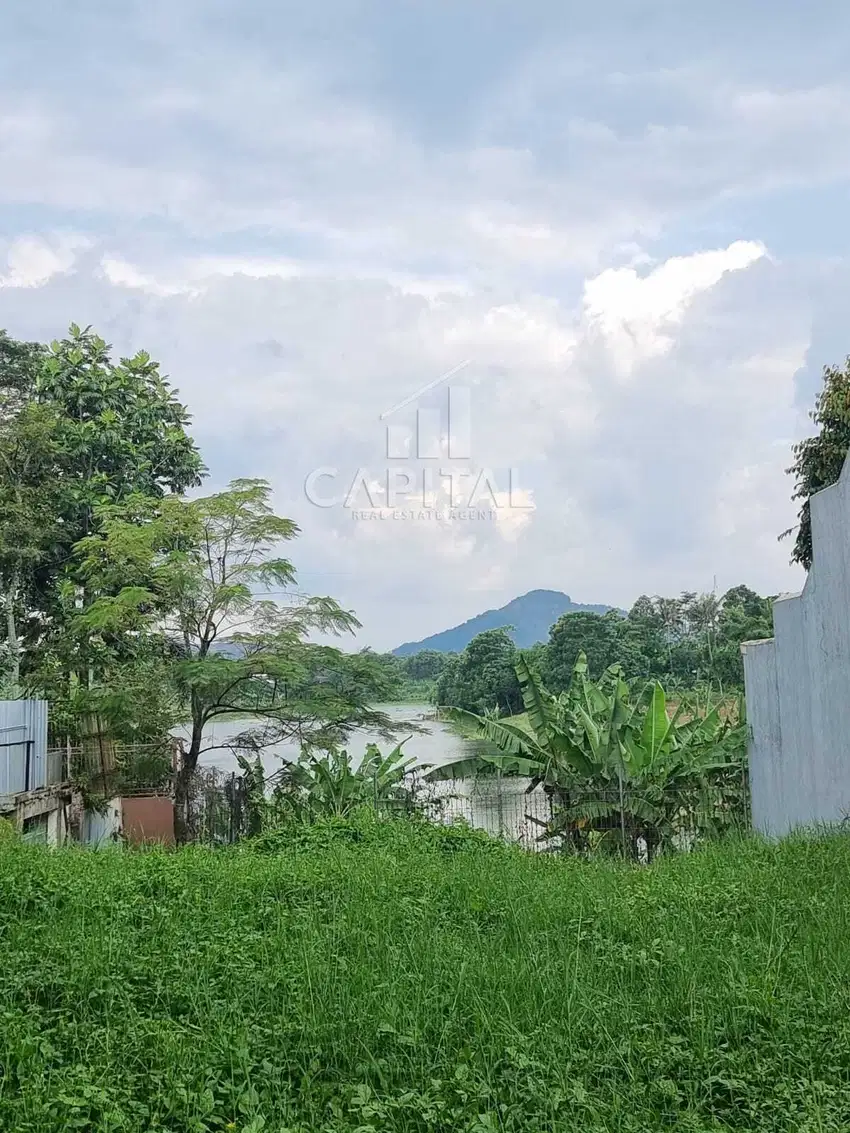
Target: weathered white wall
[(56, 827), (98, 829), (798, 686)]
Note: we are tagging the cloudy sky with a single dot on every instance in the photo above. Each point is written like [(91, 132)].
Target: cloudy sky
[(625, 222)]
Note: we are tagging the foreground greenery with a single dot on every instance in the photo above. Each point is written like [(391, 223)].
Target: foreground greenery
[(389, 977)]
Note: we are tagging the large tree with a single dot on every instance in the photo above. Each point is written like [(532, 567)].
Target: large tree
[(483, 677), (28, 489), (78, 431), (818, 460), (200, 579), (645, 644), (426, 665), (597, 636), (20, 363), (120, 428), (31, 529), (744, 616)]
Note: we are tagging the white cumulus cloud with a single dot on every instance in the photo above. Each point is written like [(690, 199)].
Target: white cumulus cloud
[(637, 312)]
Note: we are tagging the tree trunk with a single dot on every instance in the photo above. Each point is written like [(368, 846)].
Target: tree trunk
[(184, 826), (12, 642)]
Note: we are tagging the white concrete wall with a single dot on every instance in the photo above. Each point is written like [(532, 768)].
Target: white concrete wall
[(98, 829), (798, 686), (46, 808), (56, 827)]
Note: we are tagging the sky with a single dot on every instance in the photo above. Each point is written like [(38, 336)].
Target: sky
[(622, 225)]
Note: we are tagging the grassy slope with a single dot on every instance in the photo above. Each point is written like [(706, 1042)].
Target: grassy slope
[(424, 983)]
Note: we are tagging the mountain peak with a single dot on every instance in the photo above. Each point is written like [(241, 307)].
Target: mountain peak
[(530, 614), (538, 595)]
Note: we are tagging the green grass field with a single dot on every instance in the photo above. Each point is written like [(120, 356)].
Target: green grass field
[(382, 979)]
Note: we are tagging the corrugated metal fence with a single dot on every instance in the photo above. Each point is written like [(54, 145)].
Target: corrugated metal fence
[(24, 762)]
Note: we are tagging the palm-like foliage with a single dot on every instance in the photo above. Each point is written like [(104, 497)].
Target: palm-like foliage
[(619, 767), (329, 785)]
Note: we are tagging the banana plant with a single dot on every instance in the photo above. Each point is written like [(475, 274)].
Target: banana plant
[(331, 785), (617, 766), (545, 752)]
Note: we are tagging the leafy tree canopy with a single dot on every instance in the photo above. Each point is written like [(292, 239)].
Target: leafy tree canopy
[(818, 460), (483, 677), (78, 431), (427, 665), (598, 636)]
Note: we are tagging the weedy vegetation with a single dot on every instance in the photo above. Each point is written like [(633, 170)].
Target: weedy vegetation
[(363, 976)]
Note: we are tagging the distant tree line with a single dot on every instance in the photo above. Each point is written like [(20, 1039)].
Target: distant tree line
[(686, 642), (411, 678), (690, 640)]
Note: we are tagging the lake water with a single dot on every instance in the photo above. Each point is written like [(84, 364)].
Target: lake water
[(499, 806), (438, 745)]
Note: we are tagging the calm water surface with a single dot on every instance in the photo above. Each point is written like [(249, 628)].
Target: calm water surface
[(438, 745), (501, 807)]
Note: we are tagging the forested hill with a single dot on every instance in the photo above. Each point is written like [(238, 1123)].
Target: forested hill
[(531, 615)]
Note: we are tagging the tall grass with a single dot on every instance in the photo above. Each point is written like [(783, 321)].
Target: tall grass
[(383, 978)]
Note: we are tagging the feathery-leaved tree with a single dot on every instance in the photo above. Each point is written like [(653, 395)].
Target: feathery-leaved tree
[(203, 580)]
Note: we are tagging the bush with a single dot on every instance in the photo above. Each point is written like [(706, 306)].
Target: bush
[(366, 829)]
